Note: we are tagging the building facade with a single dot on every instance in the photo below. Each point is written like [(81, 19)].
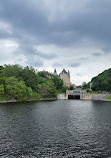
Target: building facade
[(65, 76)]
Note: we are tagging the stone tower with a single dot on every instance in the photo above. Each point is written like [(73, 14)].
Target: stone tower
[(65, 76), (55, 72)]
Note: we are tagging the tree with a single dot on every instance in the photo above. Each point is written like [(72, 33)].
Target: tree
[(85, 85), (16, 89), (47, 90), (102, 82), (1, 90), (71, 87), (58, 83), (1, 70), (30, 77), (13, 70)]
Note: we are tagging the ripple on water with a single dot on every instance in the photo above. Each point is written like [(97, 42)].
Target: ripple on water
[(55, 129)]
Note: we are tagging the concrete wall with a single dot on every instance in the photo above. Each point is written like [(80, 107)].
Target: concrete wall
[(99, 96), (61, 96), (87, 96)]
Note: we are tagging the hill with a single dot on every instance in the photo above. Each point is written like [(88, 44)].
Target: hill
[(102, 82)]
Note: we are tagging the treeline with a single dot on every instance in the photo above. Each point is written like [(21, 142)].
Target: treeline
[(102, 82), (27, 83)]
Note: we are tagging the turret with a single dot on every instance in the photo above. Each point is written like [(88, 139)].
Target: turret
[(69, 72), (55, 72)]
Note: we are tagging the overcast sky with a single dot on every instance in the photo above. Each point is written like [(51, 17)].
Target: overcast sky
[(48, 34)]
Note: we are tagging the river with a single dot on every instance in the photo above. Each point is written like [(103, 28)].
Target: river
[(55, 129)]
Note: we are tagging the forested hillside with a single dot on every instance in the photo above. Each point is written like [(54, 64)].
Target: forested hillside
[(27, 83), (102, 81)]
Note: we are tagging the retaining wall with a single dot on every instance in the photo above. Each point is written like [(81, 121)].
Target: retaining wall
[(62, 96)]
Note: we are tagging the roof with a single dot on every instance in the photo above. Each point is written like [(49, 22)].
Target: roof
[(64, 71), (55, 71)]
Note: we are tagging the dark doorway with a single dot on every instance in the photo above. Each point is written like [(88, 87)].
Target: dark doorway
[(73, 96)]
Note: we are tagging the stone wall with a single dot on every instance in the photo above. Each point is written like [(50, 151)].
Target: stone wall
[(66, 79)]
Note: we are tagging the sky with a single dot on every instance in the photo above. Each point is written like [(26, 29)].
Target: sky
[(48, 34)]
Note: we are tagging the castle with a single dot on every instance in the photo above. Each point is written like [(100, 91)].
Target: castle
[(65, 76)]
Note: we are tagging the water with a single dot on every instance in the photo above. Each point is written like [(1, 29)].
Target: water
[(56, 129)]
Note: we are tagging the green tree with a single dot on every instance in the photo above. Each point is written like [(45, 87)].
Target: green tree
[(102, 82), (13, 70), (1, 70), (47, 90), (58, 83), (71, 87), (1, 90), (16, 89), (30, 77)]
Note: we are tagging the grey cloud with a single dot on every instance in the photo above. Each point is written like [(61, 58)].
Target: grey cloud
[(56, 64), (78, 74), (75, 65), (34, 57), (34, 62), (46, 56), (62, 23), (83, 58), (30, 17), (29, 50), (31, 56), (96, 54), (65, 24), (107, 49)]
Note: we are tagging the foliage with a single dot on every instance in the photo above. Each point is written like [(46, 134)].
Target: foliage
[(30, 77), (58, 83), (44, 74), (109, 97), (102, 82), (1, 70), (26, 83), (89, 91), (85, 85), (71, 87), (12, 70), (47, 90), (1, 90), (16, 89), (34, 95)]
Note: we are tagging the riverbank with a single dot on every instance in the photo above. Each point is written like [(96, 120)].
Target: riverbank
[(16, 101), (106, 99), (46, 99)]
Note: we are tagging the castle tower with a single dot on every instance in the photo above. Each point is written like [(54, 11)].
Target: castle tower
[(65, 76), (69, 72), (55, 72)]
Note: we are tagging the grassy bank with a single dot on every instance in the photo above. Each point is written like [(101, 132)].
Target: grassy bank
[(109, 97)]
